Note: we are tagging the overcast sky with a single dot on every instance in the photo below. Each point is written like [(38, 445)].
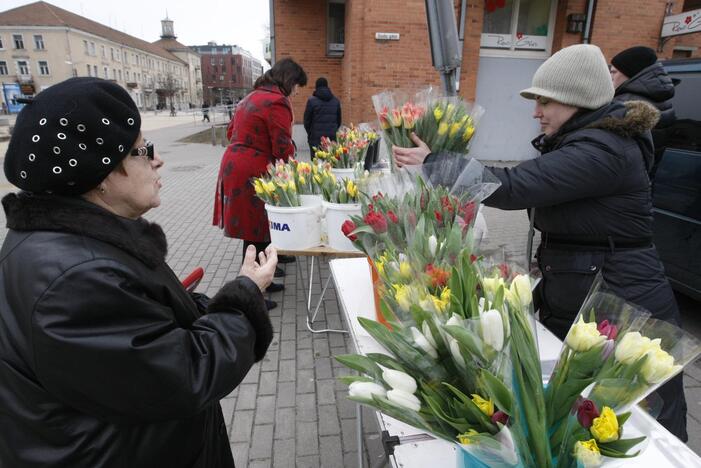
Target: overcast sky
[(240, 22)]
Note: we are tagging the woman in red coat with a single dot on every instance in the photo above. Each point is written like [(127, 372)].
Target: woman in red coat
[(260, 133)]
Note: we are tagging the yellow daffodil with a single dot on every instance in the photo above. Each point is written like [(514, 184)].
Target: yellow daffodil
[(605, 427), (485, 406)]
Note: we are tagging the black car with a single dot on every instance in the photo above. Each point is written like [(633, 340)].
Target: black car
[(677, 184)]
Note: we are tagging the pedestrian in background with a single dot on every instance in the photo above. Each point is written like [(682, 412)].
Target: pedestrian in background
[(591, 197), (322, 116), (105, 359), (205, 112), (260, 133), (637, 75)]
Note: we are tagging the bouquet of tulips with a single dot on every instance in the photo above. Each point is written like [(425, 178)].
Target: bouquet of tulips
[(339, 191), (278, 186), (348, 149)]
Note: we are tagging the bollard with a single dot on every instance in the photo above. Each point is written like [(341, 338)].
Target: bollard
[(214, 136), (224, 142)]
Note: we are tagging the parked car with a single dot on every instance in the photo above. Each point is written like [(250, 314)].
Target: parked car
[(677, 184)]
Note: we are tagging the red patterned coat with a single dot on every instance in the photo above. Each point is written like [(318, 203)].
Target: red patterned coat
[(260, 133)]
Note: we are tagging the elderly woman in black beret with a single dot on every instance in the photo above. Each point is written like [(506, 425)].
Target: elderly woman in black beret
[(105, 359)]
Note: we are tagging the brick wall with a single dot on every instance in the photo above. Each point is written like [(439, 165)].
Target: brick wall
[(370, 66)]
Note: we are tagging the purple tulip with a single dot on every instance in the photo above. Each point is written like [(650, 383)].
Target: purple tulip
[(586, 413)]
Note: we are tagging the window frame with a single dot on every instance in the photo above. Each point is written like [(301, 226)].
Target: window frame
[(15, 41), (3, 65), (39, 41), (40, 68), (27, 67), (521, 53), (2, 45), (340, 52)]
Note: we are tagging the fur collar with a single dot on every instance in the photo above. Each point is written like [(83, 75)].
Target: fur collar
[(140, 238), (639, 117)]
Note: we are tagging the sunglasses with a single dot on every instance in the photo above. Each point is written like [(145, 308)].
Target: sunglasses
[(146, 150)]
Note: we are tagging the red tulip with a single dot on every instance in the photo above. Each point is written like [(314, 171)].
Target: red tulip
[(608, 329), (439, 216), (392, 217), (377, 221), (500, 417), (586, 413), (347, 227)]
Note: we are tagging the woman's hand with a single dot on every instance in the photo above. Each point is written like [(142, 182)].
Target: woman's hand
[(411, 156), (262, 271)]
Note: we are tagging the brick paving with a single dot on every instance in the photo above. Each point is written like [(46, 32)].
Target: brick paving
[(290, 411)]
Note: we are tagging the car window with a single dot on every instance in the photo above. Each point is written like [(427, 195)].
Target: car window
[(678, 183), (685, 133)]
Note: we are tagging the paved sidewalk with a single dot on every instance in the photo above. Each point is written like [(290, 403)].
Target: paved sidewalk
[(290, 411)]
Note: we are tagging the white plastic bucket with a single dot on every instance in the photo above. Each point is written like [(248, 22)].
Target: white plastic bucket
[(336, 215), (294, 227), (311, 200), (341, 173)]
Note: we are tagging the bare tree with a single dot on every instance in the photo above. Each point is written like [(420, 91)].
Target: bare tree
[(168, 86)]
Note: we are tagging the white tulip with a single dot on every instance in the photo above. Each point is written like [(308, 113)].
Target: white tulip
[(455, 352), (480, 305), (454, 320), (399, 380), (404, 400), (423, 343), (432, 245), (426, 329), (492, 329), (521, 288), (366, 390)]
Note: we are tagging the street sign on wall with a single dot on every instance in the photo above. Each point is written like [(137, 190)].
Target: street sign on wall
[(683, 23)]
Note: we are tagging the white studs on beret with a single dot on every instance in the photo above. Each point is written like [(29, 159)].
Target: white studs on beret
[(57, 169), (72, 162), (80, 127), (105, 121), (32, 156), (99, 141), (61, 136), (35, 138), (130, 121), (57, 150), (63, 121), (23, 174), (42, 122), (106, 161), (121, 148), (82, 146)]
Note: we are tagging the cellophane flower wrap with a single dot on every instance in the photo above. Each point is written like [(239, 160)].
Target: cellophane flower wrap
[(278, 186), (445, 124), (348, 149)]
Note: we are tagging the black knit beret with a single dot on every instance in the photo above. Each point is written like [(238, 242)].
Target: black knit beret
[(632, 61), (71, 136)]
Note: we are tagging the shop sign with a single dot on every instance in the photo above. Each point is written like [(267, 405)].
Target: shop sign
[(683, 23)]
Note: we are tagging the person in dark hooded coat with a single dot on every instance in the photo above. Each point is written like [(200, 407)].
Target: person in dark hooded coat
[(637, 75), (590, 191), (322, 116)]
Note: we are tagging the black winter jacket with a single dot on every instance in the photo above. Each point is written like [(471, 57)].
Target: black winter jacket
[(105, 360), (322, 116), (591, 194)]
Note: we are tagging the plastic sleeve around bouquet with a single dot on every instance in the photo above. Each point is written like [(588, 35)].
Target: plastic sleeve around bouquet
[(448, 124), (603, 320), (643, 361)]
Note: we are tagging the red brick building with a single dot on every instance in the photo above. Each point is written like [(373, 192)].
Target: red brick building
[(228, 72), (504, 43)]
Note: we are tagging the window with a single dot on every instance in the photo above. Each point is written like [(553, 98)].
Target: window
[(39, 42), (105, 73), (1, 46), (3, 67), (18, 40), (92, 50), (213, 61), (126, 74), (89, 70), (335, 27), (103, 52), (126, 57), (23, 67), (114, 74), (111, 53), (517, 25), (85, 46), (43, 67), (94, 71), (221, 77)]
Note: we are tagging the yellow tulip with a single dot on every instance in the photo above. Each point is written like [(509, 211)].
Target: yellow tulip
[(258, 187), (438, 113), (439, 303), (442, 128), (587, 454), (269, 187), (445, 295), (454, 128), (403, 295), (605, 427), (468, 133), (405, 271), (466, 437), (486, 406), (351, 188)]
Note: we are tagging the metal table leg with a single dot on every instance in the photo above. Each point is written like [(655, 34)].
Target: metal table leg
[(359, 428), (312, 316)]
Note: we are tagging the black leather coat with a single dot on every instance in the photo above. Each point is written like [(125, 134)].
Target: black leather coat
[(105, 360), (322, 116)]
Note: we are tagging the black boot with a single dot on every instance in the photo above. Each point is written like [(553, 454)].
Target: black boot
[(286, 259), (275, 287), (279, 272), (270, 304)]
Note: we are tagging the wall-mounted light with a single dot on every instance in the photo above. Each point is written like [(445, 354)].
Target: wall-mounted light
[(575, 22)]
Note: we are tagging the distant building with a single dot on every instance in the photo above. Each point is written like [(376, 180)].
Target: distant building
[(228, 71), (41, 44)]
